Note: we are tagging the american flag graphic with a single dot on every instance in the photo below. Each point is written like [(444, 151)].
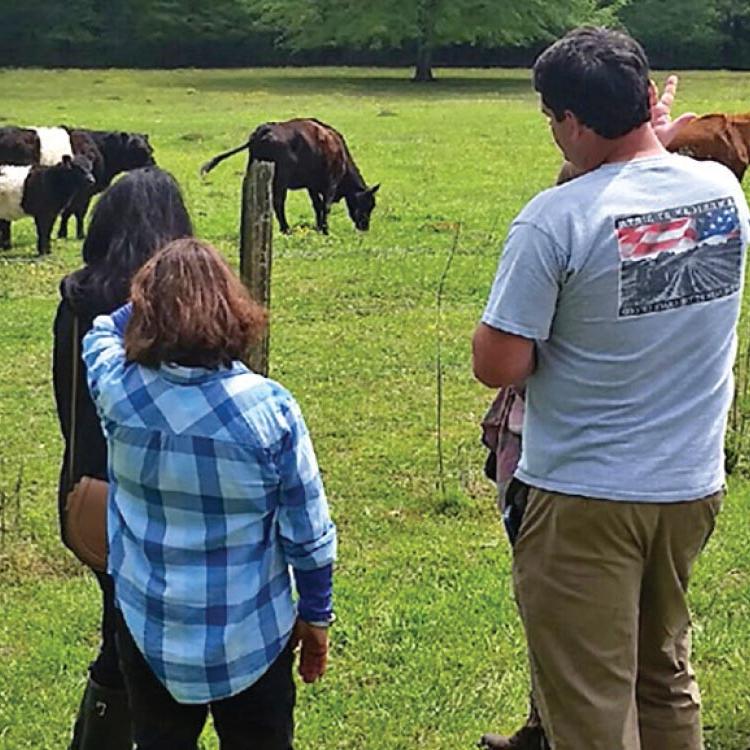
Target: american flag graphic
[(713, 226), (678, 257)]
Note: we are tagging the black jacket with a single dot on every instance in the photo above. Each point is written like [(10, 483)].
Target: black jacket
[(78, 299)]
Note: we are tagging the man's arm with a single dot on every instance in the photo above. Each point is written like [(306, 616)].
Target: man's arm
[(500, 359)]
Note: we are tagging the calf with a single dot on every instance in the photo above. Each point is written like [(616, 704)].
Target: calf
[(308, 154), (40, 192), (110, 152), (718, 137)]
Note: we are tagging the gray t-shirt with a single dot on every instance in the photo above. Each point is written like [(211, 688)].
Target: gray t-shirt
[(629, 280)]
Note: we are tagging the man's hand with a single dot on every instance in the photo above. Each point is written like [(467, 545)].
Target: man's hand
[(313, 650), (661, 111)]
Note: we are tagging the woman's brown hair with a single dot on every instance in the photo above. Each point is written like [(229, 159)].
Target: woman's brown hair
[(190, 308)]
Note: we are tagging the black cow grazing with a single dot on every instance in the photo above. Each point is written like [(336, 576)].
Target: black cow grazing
[(110, 153), (40, 192), (308, 154)]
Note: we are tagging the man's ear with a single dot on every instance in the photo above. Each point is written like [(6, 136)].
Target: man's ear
[(575, 127)]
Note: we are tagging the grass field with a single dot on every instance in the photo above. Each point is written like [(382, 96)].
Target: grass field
[(428, 650)]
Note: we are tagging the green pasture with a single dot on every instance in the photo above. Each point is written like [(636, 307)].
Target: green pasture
[(428, 650)]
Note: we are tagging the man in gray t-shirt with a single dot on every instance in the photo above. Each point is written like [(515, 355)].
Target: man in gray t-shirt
[(616, 302)]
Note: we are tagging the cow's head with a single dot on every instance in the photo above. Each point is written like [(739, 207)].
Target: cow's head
[(361, 204), (77, 171), (129, 151)]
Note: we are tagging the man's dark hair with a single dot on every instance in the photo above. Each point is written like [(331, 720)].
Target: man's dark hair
[(598, 74)]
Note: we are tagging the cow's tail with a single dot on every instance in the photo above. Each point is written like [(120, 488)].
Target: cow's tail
[(211, 163)]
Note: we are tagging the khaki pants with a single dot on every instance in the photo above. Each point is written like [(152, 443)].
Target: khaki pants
[(601, 589)]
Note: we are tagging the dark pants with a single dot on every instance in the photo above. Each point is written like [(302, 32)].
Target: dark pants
[(105, 669), (258, 718)]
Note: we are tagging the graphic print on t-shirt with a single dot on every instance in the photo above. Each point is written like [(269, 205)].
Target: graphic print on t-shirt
[(678, 256)]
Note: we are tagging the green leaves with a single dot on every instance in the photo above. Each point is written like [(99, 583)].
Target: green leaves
[(694, 33), (304, 24)]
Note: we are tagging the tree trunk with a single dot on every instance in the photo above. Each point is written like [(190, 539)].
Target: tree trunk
[(423, 68), (426, 10)]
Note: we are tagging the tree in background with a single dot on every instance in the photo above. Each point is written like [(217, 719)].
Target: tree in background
[(168, 33), (734, 29), (692, 33), (669, 31), (168, 22), (119, 32), (46, 24), (424, 24)]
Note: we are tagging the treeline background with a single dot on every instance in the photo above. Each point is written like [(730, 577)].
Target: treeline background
[(229, 33)]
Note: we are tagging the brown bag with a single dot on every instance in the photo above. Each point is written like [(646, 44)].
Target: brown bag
[(85, 520)]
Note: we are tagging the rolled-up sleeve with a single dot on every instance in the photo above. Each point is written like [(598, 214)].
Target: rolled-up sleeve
[(308, 535), (103, 351)]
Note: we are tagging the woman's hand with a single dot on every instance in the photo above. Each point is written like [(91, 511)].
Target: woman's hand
[(313, 650)]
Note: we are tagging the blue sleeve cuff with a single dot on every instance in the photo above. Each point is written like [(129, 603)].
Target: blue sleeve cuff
[(121, 316), (315, 589)]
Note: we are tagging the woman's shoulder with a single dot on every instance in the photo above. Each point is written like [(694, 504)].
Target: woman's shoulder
[(85, 295), (266, 405), (255, 389)]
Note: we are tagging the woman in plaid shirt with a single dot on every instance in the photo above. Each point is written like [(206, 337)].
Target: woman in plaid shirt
[(216, 503), (135, 217)]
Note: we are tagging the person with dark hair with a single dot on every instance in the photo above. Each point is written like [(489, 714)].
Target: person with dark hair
[(628, 379), (216, 506), (133, 219), (584, 68), (503, 423)]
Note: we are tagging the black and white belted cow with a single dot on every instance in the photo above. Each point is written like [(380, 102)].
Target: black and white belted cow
[(40, 192), (110, 153)]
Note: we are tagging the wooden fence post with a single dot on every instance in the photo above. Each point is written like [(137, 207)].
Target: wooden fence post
[(256, 230)]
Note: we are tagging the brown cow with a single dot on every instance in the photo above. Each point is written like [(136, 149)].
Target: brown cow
[(715, 137), (718, 137), (308, 154)]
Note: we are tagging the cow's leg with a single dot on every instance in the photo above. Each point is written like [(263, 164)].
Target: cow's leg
[(43, 232), (80, 234), (279, 201), (62, 230), (328, 198), (321, 215), (78, 205), (4, 235)]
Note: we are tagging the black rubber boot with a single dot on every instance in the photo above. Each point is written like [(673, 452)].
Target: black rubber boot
[(529, 737), (103, 721)]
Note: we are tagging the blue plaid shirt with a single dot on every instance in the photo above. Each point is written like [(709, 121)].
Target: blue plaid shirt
[(214, 494)]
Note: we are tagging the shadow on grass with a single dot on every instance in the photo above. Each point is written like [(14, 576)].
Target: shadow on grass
[(286, 81)]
